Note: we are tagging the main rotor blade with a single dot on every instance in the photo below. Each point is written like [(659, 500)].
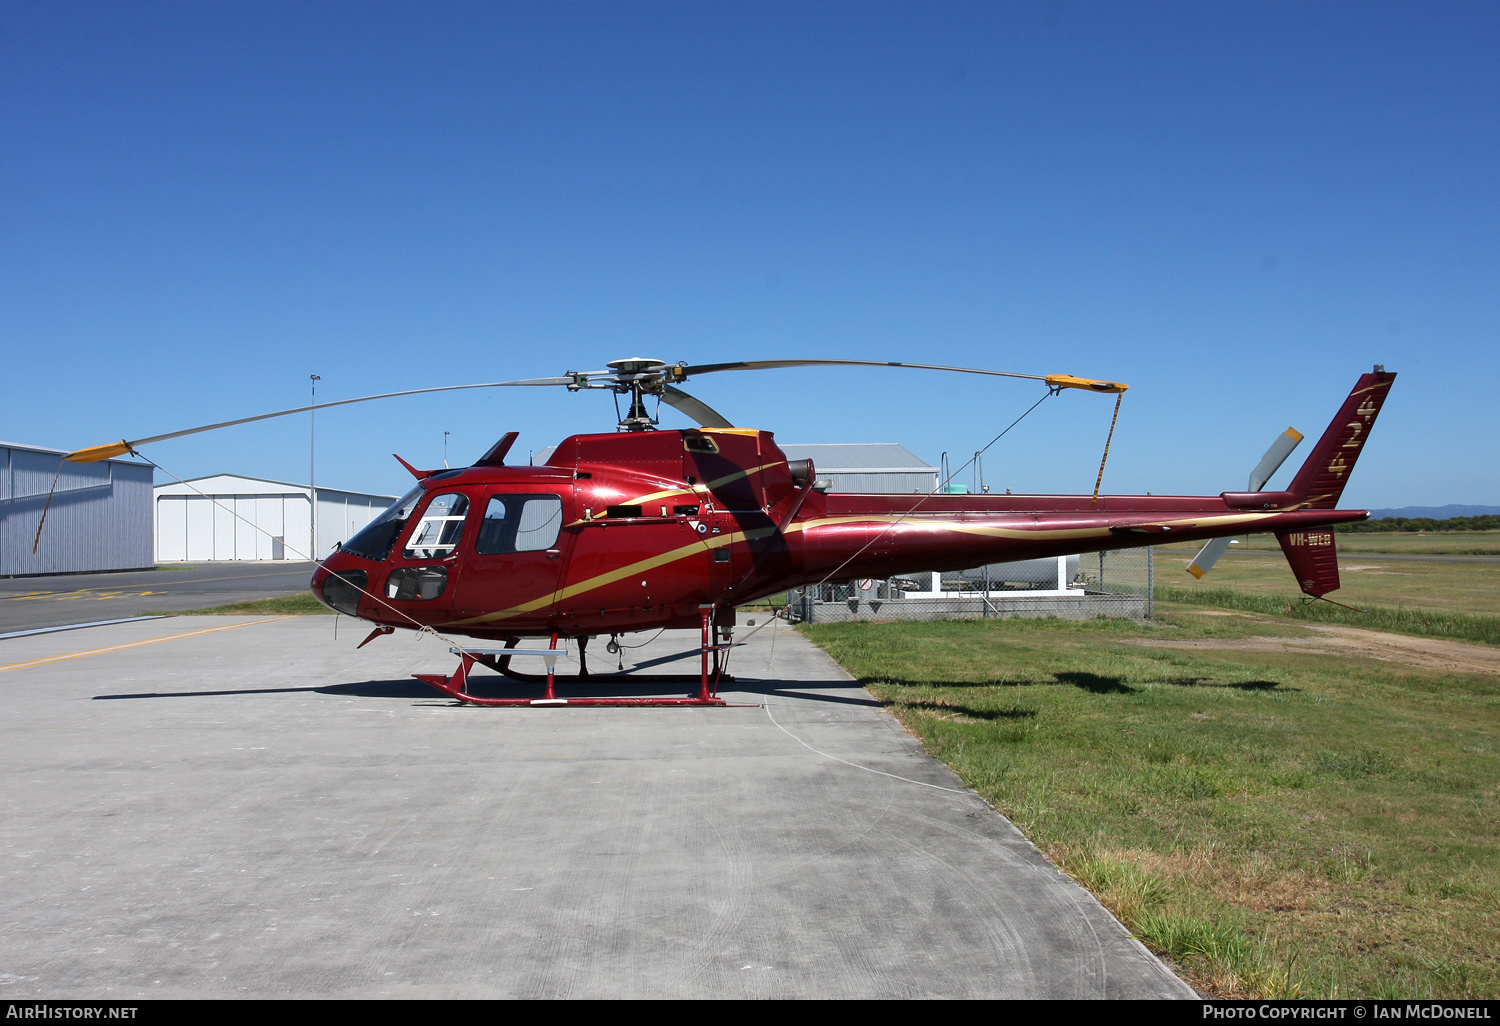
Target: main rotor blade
[(1273, 459), (1054, 380), (104, 452), (697, 409)]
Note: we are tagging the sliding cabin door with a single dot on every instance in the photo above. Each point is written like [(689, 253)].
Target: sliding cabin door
[(513, 564)]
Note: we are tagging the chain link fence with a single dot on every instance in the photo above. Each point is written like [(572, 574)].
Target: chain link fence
[(1116, 583)]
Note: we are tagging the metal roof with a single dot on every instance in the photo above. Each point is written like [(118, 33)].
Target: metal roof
[(864, 457), (225, 484), (47, 449)]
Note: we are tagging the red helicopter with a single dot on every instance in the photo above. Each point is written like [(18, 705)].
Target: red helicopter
[(641, 529)]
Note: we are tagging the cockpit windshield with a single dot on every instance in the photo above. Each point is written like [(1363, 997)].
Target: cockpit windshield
[(375, 541)]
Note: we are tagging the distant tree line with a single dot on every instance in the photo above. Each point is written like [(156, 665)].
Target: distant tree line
[(1489, 522)]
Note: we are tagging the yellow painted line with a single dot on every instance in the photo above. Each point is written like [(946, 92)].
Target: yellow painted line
[(138, 644), (96, 594)]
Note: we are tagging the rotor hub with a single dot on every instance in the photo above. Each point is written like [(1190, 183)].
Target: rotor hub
[(638, 377), (637, 366)]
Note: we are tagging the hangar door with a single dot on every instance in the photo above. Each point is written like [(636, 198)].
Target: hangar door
[(192, 527)]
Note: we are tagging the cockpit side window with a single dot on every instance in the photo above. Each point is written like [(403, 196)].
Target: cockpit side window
[(519, 523), (442, 524)]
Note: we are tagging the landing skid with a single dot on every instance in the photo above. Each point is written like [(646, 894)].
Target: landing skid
[(499, 659), (502, 665)]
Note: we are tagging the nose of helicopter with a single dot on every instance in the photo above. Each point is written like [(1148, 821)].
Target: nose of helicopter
[(339, 584)]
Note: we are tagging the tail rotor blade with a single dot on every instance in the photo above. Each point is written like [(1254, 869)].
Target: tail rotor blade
[(1207, 557), (1269, 463), (1273, 459)]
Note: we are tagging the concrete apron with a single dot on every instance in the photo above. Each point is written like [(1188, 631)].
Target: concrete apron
[(264, 811)]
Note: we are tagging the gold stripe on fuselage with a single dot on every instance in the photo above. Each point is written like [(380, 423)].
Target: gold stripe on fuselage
[(705, 486), (701, 545), (1052, 533), (693, 490), (698, 547)]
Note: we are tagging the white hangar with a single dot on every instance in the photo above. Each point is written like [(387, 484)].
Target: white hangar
[(227, 517)]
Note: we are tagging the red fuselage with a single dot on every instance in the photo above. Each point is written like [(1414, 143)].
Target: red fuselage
[(634, 531)]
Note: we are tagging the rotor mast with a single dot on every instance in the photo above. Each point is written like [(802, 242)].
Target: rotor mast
[(636, 377)]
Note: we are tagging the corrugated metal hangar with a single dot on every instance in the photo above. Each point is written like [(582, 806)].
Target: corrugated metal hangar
[(228, 517), (99, 517), (884, 467)]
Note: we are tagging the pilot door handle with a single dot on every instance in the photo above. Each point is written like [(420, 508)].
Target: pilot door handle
[(553, 553)]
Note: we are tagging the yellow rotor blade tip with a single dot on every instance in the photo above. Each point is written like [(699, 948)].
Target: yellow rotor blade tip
[(1087, 384), (98, 452)]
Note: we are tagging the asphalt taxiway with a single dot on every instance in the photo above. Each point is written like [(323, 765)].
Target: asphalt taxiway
[(233, 806), (28, 603)]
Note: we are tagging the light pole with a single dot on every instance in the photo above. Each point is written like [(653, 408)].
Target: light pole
[(445, 449), (312, 462)]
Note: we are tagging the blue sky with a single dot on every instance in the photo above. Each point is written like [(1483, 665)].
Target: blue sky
[(1236, 208)]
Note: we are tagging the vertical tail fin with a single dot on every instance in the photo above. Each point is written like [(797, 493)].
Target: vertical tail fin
[(1320, 482)]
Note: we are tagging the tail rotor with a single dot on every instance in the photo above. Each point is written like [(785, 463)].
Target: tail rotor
[(1269, 463)]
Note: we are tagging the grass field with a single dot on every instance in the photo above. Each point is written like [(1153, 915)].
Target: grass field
[(1410, 596), (1278, 824), (1471, 588), (300, 603)]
